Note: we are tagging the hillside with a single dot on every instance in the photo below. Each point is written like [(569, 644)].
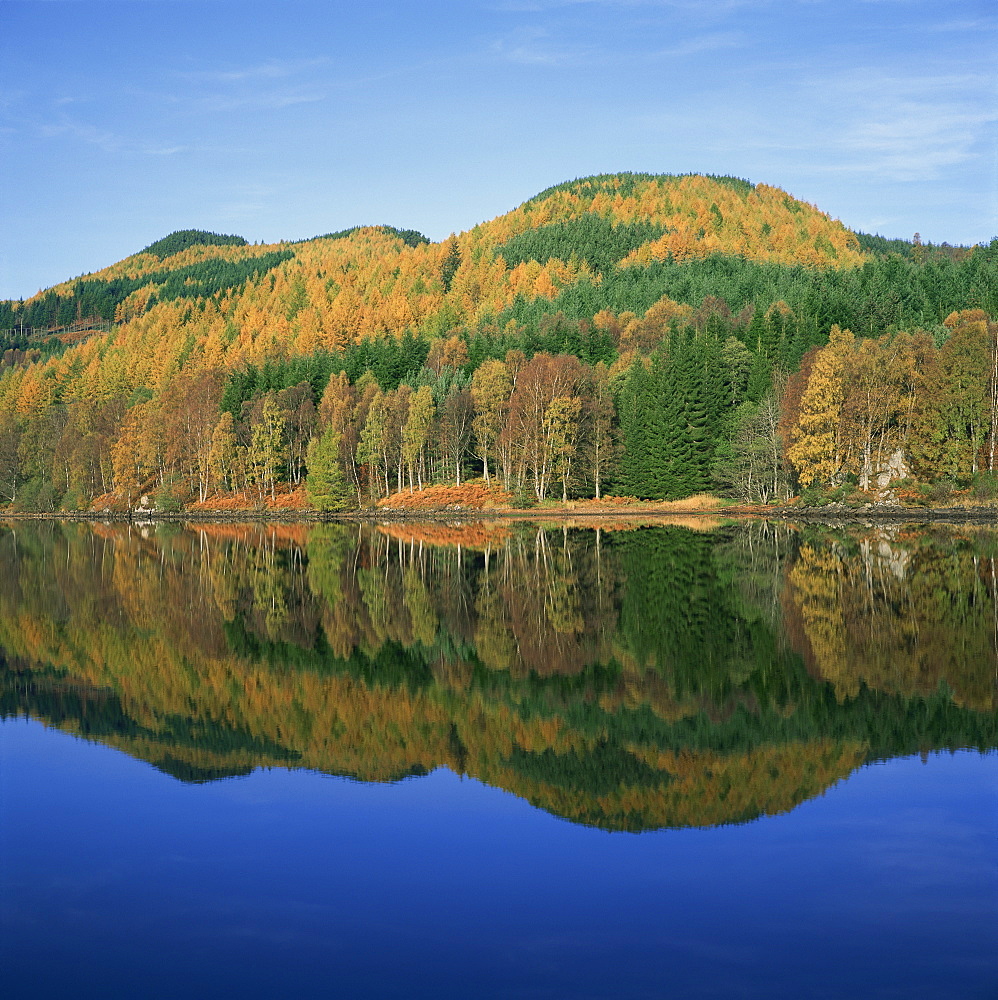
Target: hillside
[(118, 383)]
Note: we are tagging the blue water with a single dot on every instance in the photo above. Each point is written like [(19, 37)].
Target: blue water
[(119, 881)]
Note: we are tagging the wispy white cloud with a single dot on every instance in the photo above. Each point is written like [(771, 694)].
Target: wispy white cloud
[(109, 142), (11, 98), (273, 69), (271, 85), (700, 44), (536, 47), (541, 47), (869, 124), (272, 101), (906, 127), (968, 24), (247, 201), (89, 134)]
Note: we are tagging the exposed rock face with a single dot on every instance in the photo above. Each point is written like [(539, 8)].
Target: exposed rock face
[(885, 472)]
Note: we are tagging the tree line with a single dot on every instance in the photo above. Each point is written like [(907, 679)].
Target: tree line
[(859, 409), (701, 411), (567, 349)]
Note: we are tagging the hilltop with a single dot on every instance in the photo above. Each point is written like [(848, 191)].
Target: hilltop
[(581, 228), (720, 283)]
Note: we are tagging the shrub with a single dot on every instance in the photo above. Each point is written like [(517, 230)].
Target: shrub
[(170, 498), (524, 498), (938, 492), (986, 486)]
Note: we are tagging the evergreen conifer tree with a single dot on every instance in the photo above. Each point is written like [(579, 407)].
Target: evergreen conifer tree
[(326, 483)]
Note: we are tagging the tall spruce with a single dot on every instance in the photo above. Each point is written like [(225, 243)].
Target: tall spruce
[(326, 483)]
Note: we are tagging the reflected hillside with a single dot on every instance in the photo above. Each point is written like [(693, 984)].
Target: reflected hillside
[(627, 679)]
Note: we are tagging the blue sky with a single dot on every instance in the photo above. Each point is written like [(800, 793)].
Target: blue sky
[(123, 121)]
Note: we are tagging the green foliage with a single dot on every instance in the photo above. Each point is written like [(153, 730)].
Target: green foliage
[(940, 492), (816, 495), (92, 298), (553, 332), (184, 238), (37, 495), (169, 498), (410, 237), (882, 246), (599, 770), (985, 487), (624, 184), (326, 483), (884, 294), (389, 359), (676, 421), (451, 263), (524, 498), (673, 417), (589, 238)]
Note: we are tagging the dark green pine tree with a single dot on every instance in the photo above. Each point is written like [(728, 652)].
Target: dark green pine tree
[(670, 444), (695, 410), (326, 483), (667, 419), (695, 416), (634, 406), (711, 413), (451, 263), (755, 336), (774, 334), (760, 379)]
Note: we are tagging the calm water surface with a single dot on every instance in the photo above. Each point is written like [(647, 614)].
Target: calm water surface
[(502, 761)]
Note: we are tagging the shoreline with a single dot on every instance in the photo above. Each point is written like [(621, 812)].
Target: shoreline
[(832, 514)]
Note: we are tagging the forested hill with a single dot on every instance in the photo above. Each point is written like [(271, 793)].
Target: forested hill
[(654, 318)]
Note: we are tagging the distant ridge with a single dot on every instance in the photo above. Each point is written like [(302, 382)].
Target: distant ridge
[(666, 310), (184, 238)]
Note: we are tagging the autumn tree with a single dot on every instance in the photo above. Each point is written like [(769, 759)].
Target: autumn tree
[(10, 465), (416, 434), (491, 386), (750, 466), (298, 409), (337, 409), (879, 378), (455, 421), (816, 448), (371, 449), (266, 453), (447, 352), (598, 425), (542, 380), (969, 362), (396, 416), (561, 432), (223, 458)]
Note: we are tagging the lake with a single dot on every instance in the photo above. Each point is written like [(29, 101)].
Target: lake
[(500, 760)]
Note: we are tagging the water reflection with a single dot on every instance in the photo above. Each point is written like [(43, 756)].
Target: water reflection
[(628, 679)]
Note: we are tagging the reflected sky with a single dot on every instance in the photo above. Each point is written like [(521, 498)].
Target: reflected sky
[(120, 881)]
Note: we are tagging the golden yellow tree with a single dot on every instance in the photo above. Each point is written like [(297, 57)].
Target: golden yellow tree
[(816, 449)]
